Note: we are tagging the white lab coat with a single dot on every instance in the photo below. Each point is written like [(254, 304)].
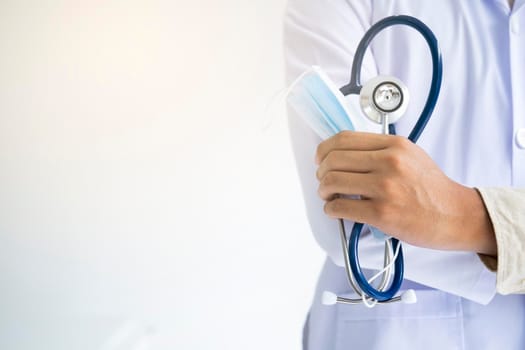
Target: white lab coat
[(471, 136)]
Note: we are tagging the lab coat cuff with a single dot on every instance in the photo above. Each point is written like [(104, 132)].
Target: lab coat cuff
[(490, 262), (504, 208), (485, 288)]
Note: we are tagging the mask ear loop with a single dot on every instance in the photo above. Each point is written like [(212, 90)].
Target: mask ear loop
[(354, 87), (276, 98)]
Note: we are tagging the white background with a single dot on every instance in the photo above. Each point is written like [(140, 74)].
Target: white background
[(143, 205)]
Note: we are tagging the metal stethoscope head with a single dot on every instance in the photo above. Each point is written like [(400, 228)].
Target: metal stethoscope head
[(384, 99)]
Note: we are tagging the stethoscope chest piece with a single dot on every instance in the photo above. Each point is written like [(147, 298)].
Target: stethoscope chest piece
[(384, 96)]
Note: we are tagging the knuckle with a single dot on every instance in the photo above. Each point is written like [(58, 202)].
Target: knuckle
[(387, 186), (329, 179), (327, 184), (331, 160), (394, 160)]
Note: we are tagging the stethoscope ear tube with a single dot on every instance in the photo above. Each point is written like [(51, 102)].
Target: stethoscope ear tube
[(354, 87)]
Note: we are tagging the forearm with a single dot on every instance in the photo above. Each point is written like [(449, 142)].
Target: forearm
[(473, 228)]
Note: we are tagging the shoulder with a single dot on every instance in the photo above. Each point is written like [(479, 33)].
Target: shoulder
[(329, 13), (323, 33)]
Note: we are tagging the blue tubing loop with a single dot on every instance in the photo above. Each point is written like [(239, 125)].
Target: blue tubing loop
[(354, 87)]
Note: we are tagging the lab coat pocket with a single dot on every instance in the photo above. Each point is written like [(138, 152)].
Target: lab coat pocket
[(434, 322)]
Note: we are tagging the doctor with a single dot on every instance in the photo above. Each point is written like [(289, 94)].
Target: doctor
[(454, 198)]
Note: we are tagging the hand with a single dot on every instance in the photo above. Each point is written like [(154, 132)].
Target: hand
[(403, 193)]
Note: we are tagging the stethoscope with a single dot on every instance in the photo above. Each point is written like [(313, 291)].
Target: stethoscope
[(384, 99)]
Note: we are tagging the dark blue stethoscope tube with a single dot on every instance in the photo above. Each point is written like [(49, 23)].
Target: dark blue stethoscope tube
[(354, 87)]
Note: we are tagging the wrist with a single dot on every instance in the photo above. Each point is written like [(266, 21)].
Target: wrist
[(476, 227)]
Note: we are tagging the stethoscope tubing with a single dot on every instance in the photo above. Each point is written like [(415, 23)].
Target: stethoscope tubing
[(354, 87)]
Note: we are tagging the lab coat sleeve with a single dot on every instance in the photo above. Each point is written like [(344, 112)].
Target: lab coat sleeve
[(506, 208), (326, 33), (322, 33)]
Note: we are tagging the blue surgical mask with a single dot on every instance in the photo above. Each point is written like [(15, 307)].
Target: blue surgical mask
[(315, 98)]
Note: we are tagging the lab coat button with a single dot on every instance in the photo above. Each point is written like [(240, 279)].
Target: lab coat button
[(520, 138)]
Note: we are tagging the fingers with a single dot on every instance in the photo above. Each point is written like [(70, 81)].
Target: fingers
[(337, 182), (358, 210), (350, 140), (363, 164), (348, 161)]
